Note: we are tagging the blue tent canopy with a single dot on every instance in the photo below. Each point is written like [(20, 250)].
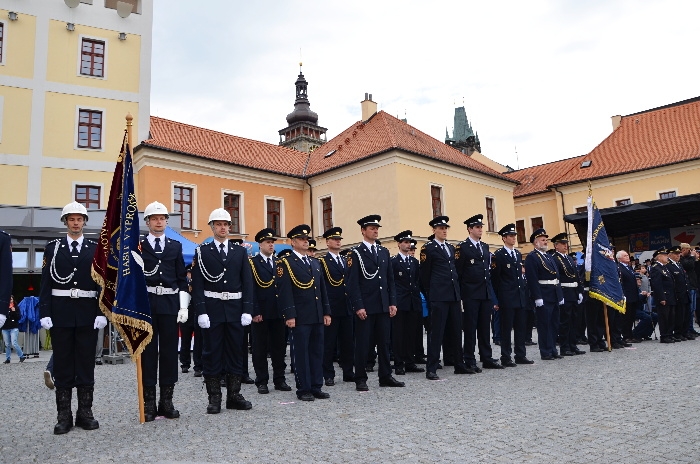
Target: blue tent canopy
[(188, 246), (253, 248)]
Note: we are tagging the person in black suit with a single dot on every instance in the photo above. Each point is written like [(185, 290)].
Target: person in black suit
[(372, 295), (268, 329), (664, 291), (5, 274), (680, 281), (419, 358), (543, 283), (339, 333), (69, 308), (630, 289), (409, 306), (510, 288), (223, 295), (440, 284), (166, 282), (572, 289), (302, 299)]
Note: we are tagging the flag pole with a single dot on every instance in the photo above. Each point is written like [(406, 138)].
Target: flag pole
[(607, 327), (137, 358)]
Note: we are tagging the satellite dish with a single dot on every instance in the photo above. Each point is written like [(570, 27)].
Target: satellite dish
[(124, 9), (72, 3)]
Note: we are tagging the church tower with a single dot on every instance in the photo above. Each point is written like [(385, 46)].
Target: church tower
[(302, 132), (464, 138)]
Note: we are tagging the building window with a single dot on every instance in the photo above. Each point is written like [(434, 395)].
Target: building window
[(232, 204), (88, 195), (274, 210), (520, 230), (89, 129), (436, 197), (536, 223), (327, 211), (92, 58), (581, 209), (2, 42), (667, 195), (623, 202), (490, 216), (182, 203)]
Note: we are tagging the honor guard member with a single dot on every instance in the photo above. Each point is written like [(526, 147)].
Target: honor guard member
[(680, 282), (301, 293), (166, 282), (473, 262), (664, 291), (222, 293), (312, 248), (339, 333), (69, 309), (440, 284), (572, 289), (373, 298), (190, 330), (510, 288), (409, 307), (268, 330), (5, 274), (247, 342), (543, 282), (628, 281)]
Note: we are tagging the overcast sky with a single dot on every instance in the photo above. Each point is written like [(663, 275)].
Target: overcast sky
[(542, 76)]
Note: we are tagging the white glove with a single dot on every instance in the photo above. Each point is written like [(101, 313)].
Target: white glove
[(246, 319), (539, 302), (561, 303), (182, 315), (100, 322), (184, 301), (3, 318), (46, 323), (580, 298), (203, 321)]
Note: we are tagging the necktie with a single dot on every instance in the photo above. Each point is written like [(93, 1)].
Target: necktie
[(308, 263), (222, 253), (481, 250), (340, 261), (269, 261), (74, 252), (374, 251), (444, 249), (158, 249), (512, 255)]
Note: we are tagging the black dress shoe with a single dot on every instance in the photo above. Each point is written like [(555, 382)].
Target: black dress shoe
[(547, 358), (497, 342), (247, 380), (567, 353), (348, 378), (464, 370), (524, 361), (282, 386), (329, 382), (634, 340), (306, 397), (491, 364), (439, 366), (414, 368), (508, 363), (262, 389), (389, 381), (431, 376), (185, 370), (98, 362), (197, 373), (476, 369), (617, 346), (557, 356), (420, 360), (369, 368), (361, 386), (577, 351), (321, 395), (530, 343), (400, 371), (626, 344)]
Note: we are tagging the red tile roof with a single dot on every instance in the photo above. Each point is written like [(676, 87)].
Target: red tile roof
[(537, 179)]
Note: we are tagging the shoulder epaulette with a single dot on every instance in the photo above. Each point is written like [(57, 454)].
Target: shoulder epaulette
[(3, 232)]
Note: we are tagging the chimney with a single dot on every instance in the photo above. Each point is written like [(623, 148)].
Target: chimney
[(616, 121), (369, 108)]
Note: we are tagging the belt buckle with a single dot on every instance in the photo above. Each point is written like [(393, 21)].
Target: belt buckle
[(159, 290), (224, 295), (74, 293)]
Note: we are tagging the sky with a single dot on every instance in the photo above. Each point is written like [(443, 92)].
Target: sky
[(539, 79)]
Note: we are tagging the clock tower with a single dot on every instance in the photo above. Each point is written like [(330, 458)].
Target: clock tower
[(302, 132)]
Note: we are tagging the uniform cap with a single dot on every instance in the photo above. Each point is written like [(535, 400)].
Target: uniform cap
[(538, 233), (405, 235), (475, 220), (333, 232), (265, 234), (508, 229), (300, 231), (439, 221), (371, 220)]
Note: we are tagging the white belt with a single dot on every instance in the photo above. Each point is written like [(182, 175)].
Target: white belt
[(569, 284), (74, 293), (585, 289), (160, 290), (549, 282), (224, 295)]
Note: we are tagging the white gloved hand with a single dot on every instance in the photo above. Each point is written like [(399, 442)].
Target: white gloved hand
[(539, 302), (580, 298), (246, 319), (3, 318), (184, 299), (561, 303), (100, 322), (203, 321), (46, 323), (182, 315)]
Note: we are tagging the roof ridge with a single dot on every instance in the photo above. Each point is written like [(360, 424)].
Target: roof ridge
[(670, 105), (543, 164)]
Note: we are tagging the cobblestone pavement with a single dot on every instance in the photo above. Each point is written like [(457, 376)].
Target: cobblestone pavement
[(634, 405)]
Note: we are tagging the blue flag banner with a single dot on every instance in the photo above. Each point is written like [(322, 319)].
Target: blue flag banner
[(600, 263)]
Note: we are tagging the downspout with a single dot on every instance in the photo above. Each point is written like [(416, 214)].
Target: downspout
[(563, 212), (311, 195)]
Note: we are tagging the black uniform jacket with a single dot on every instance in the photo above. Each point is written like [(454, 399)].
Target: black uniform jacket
[(628, 282), (680, 282), (265, 301), (662, 285), (65, 311), (170, 274), (539, 266), (406, 280), (473, 268), (336, 285), (231, 275), (438, 274), (507, 279), (568, 274), (370, 282), (301, 291)]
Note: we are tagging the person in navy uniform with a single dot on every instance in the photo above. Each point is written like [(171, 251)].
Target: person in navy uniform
[(419, 357), (372, 295), (543, 283), (312, 248), (339, 333), (268, 329), (301, 292), (166, 282), (5, 275), (409, 306), (440, 284), (680, 282), (69, 308), (572, 289), (628, 281), (664, 291), (222, 294), (189, 330), (510, 289), (473, 262)]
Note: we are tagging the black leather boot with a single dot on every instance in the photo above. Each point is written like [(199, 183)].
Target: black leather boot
[(65, 415), (83, 417), (234, 399), (165, 404), (213, 385), (149, 403)]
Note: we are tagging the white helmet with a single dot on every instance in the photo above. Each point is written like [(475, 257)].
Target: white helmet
[(219, 214), (155, 208), (73, 208)]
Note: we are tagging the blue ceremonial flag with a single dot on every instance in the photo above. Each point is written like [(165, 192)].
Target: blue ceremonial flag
[(600, 263)]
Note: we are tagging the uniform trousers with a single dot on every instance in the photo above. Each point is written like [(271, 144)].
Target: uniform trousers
[(567, 326), (188, 330), (680, 319), (161, 352), (376, 327), (308, 357), (512, 319), (547, 328), (477, 326), (445, 325), (403, 337), (73, 356), (338, 335), (269, 337), (666, 319), (222, 349), (627, 319), (595, 323)]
